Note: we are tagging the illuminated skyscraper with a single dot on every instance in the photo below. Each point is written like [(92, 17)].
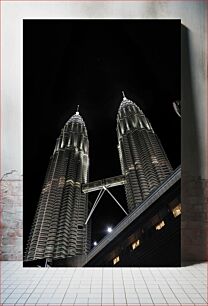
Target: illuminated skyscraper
[(142, 157), (59, 229)]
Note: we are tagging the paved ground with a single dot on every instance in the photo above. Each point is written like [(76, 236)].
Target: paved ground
[(103, 286)]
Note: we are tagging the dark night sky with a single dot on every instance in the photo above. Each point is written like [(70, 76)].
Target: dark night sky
[(89, 62)]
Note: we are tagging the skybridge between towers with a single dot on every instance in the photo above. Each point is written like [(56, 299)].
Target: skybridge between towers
[(108, 183)]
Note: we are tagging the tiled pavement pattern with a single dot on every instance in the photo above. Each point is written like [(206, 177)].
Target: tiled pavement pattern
[(103, 286)]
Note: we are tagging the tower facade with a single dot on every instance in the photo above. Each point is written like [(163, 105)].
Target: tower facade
[(58, 229), (142, 157)]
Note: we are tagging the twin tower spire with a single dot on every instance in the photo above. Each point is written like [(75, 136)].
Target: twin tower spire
[(77, 112), (59, 230)]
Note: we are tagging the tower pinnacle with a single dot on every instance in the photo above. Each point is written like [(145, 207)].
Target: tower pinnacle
[(124, 97), (77, 112)]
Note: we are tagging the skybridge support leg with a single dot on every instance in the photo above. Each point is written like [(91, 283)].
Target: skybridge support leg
[(100, 194), (115, 200)]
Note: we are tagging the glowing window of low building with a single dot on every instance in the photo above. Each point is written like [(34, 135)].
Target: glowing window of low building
[(176, 210), (160, 225), (116, 260), (135, 244)]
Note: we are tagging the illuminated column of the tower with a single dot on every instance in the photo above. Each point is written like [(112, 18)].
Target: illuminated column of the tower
[(72, 235), (142, 157), (58, 230)]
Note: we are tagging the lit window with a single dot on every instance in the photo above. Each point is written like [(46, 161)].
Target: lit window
[(154, 160), (160, 225), (131, 167), (61, 181), (70, 182), (116, 259), (176, 210), (48, 185), (135, 244)]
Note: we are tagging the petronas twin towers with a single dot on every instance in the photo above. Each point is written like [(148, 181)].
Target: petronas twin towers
[(59, 228)]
